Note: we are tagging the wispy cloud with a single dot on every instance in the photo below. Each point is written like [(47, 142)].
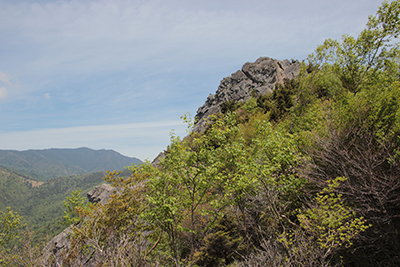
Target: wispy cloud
[(8, 83), (86, 37), (70, 62), (4, 81)]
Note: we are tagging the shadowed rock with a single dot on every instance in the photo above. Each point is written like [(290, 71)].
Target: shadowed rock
[(100, 194)]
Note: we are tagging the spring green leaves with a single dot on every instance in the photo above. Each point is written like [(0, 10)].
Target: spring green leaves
[(10, 225)]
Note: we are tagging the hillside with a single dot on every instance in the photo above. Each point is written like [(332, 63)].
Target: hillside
[(50, 163), (42, 204), (304, 174)]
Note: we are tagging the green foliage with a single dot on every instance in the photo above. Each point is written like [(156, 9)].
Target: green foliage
[(199, 177), (275, 155), (326, 225), (187, 118), (72, 203), (250, 105), (375, 111), (229, 106), (42, 206), (361, 144), (331, 222), (202, 178), (109, 233), (221, 246), (255, 188), (278, 103), (357, 61), (10, 225), (24, 253)]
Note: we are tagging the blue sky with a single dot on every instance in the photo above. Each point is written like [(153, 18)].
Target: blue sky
[(119, 74)]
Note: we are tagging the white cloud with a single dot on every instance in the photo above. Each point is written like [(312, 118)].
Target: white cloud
[(9, 84), (47, 95)]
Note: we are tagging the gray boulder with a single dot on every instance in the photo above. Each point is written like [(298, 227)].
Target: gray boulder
[(100, 194), (256, 78), (52, 253)]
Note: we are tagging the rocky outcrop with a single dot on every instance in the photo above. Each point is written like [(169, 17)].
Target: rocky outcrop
[(256, 78), (157, 160), (53, 250), (100, 194)]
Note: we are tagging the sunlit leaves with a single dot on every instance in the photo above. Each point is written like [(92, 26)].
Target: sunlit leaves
[(10, 224), (326, 224), (358, 60), (329, 220)]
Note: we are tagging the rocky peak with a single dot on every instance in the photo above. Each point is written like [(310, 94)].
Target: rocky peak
[(256, 78)]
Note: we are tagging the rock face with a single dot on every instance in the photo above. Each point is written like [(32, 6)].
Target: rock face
[(53, 250), (256, 78), (100, 194)]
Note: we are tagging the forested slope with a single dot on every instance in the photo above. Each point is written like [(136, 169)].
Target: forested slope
[(41, 203), (306, 175), (50, 163)]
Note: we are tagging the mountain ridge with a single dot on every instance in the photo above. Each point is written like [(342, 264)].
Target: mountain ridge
[(45, 164)]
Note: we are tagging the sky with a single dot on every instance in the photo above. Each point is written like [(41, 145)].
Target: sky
[(119, 74)]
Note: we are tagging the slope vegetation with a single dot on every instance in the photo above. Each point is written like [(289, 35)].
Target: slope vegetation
[(42, 206), (305, 175)]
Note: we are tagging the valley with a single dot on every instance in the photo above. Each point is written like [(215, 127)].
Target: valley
[(39, 199)]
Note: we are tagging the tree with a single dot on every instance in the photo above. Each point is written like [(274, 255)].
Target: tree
[(73, 202), (326, 225), (10, 225), (110, 234), (361, 143), (357, 61), (198, 179)]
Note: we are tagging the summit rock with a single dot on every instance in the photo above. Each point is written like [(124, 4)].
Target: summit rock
[(254, 79)]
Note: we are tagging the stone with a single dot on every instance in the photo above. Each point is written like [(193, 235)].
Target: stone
[(256, 78), (52, 252), (100, 194)]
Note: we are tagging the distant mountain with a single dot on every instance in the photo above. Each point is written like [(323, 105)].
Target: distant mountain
[(51, 163)]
